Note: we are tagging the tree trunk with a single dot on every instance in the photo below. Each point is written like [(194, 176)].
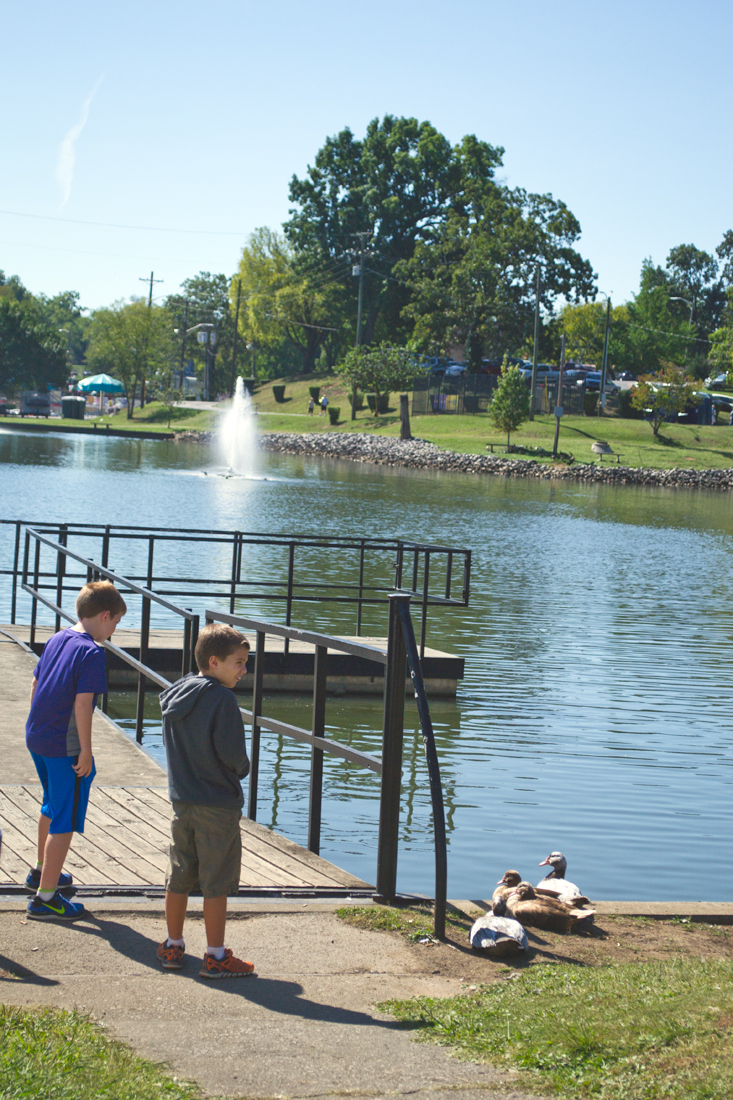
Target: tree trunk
[(404, 417)]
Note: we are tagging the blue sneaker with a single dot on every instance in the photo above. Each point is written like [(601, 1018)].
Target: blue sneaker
[(33, 881), (56, 908)]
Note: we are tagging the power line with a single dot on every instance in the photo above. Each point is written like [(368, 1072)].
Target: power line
[(663, 332), (117, 225)]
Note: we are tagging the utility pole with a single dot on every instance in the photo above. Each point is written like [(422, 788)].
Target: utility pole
[(535, 350), (558, 407), (183, 341), (602, 395), (362, 253), (234, 343), (150, 310)]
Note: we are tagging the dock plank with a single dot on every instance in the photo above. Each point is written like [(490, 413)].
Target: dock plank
[(125, 843)]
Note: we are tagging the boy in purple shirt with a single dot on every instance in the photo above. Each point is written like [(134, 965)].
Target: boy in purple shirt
[(68, 678)]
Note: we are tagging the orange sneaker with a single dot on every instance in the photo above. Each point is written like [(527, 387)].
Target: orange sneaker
[(171, 956), (228, 967)]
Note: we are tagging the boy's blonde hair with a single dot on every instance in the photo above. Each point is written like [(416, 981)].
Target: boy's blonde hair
[(217, 640), (99, 596)]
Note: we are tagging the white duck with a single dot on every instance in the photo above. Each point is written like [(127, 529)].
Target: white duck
[(555, 885), (498, 935)]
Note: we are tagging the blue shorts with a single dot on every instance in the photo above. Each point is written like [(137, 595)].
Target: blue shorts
[(65, 795)]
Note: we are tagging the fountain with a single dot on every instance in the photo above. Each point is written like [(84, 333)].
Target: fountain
[(237, 435)]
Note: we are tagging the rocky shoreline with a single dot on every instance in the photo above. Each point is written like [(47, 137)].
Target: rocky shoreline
[(421, 455)]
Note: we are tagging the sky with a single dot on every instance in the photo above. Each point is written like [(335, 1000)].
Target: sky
[(176, 127)]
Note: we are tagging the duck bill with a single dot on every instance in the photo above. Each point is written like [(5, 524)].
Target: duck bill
[(545, 863)]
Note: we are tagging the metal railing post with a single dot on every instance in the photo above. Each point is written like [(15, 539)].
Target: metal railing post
[(143, 655), (34, 604), (16, 554), (289, 602), (254, 761), (392, 735), (186, 654), (235, 563), (105, 548), (361, 589), (60, 570), (436, 787), (318, 730), (424, 615)]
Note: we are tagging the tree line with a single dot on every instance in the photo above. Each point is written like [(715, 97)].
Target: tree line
[(422, 241)]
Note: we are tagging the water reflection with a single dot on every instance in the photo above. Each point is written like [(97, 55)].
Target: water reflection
[(595, 716)]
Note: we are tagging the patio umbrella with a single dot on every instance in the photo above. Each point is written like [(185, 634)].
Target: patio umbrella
[(100, 383)]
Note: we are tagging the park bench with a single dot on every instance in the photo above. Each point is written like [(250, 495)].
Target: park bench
[(601, 448)]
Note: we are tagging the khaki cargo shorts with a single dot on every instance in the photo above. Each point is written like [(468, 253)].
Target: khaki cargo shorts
[(205, 852)]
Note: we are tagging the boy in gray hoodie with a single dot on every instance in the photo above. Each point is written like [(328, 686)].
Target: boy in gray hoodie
[(203, 734)]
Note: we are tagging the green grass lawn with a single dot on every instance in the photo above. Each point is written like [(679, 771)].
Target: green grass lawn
[(153, 418), (678, 445), (60, 1055), (617, 1032)]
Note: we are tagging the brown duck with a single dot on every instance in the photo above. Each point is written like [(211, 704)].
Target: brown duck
[(506, 884), (542, 912)]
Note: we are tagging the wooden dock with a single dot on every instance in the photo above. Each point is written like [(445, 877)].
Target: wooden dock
[(125, 843), (284, 672)]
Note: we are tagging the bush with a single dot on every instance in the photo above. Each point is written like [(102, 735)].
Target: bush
[(590, 403), (314, 391), (279, 393), (625, 409), (358, 402), (383, 402), (334, 412)]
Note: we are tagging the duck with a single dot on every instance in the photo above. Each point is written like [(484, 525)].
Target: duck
[(498, 935), (539, 911), (555, 885), (506, 884)]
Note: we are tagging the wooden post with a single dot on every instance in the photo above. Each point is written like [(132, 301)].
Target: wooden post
[(404, 417)]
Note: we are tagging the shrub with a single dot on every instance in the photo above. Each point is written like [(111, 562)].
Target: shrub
[(356, 402), (279, 393), (314, 391), (382, 405), (334, 412)]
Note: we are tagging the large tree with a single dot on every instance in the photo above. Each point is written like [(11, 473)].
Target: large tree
[(131, 341), (474, 283), (381, 370), (285, 294), (204, 299), (32, 354), (63, 313), (382, 194)]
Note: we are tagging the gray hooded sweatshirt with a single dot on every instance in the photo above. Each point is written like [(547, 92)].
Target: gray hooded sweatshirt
[(203, 734)]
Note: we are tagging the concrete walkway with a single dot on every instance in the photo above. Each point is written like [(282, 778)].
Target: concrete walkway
[(305, 1026)]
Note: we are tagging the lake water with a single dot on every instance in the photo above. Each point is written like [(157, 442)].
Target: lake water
[(596, 714)]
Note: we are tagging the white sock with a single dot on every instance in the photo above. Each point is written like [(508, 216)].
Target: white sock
[(46, 895), (217, 952), (39, 865), (174, 943)]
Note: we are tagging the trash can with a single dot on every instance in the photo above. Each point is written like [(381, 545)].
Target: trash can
[(73, 408)]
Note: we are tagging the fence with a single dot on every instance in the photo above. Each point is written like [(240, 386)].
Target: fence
[(326, 571), (401, 648), (469, 393)]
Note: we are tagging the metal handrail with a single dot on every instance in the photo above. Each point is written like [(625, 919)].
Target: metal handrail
[(288, 589), (401, 649)]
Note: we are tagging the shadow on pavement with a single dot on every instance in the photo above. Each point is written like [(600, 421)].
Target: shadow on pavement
[(273, 994)]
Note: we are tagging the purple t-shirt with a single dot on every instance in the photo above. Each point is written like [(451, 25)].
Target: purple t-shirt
[(71, 664)]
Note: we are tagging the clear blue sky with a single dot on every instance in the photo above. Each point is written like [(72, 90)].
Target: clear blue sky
[(203, 112)]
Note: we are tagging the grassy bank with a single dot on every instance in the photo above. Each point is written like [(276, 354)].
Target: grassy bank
[(153, 418), (628, 1032), (679, 445), (61, 1055)]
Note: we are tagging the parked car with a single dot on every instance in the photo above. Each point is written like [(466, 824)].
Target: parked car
[(455, 370), (593, 382), (718, 380), (627, 376)]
